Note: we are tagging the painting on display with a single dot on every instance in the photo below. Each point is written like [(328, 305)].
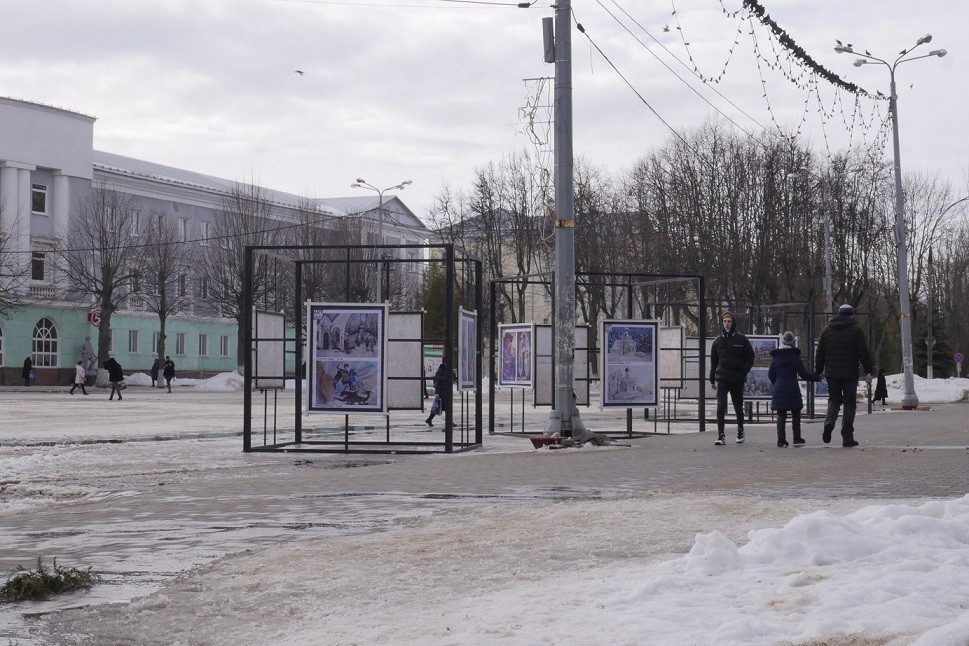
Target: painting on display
[(347, 345), (630, 363), (758, 386), (467, 349), (516, 349)]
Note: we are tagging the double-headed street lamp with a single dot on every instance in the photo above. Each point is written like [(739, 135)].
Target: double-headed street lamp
[(362, 183), (910, 400)]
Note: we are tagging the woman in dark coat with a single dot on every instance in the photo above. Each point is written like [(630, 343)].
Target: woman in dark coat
[(442, 389), (785, 368), (25, 373), (881, 388), (115, 376)]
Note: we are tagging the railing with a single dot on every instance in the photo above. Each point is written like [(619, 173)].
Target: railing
[(42, 292)]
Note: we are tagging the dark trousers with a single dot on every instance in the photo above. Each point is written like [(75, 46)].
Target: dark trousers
[(78, 385), (168, 382), (782, 422), (736, 391), (842, 392)]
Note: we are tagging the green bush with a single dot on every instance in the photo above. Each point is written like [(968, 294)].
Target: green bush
[(44, 583)]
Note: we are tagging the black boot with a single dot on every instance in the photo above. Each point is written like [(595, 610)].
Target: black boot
[(826, 435), (428, 421)]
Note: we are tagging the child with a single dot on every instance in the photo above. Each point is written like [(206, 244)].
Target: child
[(785, 367)]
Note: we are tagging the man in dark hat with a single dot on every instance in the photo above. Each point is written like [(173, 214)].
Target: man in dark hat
[(731, 358), (841, 348)]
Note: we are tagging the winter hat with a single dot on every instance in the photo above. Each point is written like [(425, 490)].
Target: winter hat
[(788, 339), (846, 310)]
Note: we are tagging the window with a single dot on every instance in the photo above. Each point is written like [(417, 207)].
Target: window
[(223, 346), (180, 343), (154, 342), (38, 199), (135, 223), (38, 265), (45, 344), (204, 237), (182, 284), (182, 229), (161, 224), (203, 345), (204, 287), (133, 341)]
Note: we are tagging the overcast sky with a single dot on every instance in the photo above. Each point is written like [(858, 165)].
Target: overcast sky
[(428, 89)]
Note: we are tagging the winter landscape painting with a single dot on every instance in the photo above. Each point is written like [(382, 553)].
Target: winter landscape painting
[(630, 363)]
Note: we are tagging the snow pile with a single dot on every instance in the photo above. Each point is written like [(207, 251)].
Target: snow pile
[(929, 391), (222, 382)]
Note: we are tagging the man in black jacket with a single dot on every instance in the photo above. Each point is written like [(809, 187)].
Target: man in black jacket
[(731, 358), (841, 347)]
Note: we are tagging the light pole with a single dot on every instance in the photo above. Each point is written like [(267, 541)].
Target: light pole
[(362, 183), (804, 173), (910, 400)]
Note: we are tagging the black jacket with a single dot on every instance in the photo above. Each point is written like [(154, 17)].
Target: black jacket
[(115, 372), (841, 347), (786, 366), (731, 357), (169, 370)]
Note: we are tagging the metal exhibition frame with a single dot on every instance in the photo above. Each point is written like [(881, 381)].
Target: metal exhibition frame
[(462, 271), (634, 290)]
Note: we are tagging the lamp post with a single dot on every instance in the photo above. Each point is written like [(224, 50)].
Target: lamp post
[(804, 173), (910, 400), (362, 183)]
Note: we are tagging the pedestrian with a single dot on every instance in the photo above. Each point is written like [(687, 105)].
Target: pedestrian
[(28, 371), (840, 349), (881, 388), (169, 372), (154, 372), (80, 376), (731, 358), (786, 365), (442, 394), (115, 376)]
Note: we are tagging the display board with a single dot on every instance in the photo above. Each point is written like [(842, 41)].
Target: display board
[(629, 363), (433, 354), (348, 345), (544, 377), (758, 386), (516, 351), (467, 349), (405, 360), (269, 353), (672, 341)]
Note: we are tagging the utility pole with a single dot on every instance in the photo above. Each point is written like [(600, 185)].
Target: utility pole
[(929, 339)]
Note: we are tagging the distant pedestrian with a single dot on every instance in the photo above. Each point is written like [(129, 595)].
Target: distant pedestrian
[(115, 376), (731, 358), (154, 371), (169, 372), (881, 387), (80, 376), (786, 365), (841, 347), (28, 371), (442, 394)]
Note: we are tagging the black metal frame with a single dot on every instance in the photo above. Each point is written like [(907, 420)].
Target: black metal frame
[(471, 282)]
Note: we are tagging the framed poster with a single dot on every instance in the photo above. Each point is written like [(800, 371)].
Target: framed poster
[(467, 349), (758, 386), (629, 366), (516, 351), (347, 344)]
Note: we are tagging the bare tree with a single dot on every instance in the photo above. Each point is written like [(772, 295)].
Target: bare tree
[(104, 258), (14, 267)]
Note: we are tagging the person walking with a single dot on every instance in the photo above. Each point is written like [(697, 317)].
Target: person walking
[(154, 372), (28, 371), (115, 376), (786, 366), (841, 348), (169, 372), (881, 387), (442, 394), (731, 358), (80, 376)]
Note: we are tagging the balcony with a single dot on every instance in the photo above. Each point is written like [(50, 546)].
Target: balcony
[(42, 292)]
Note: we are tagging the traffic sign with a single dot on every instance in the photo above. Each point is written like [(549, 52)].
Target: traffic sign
[(94, 317), (958, 358)]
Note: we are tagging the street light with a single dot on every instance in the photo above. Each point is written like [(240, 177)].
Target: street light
[(805, 173), (910, 400), (362, 183)]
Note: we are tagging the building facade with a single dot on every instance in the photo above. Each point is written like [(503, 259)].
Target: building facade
[(48, 167)]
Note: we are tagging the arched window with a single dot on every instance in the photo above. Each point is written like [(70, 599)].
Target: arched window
[(45, 344)]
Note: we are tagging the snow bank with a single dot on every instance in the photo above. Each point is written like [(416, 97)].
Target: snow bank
[(929, 391)]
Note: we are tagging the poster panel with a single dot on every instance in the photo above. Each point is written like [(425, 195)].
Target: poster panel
[(404, 360), (516, 350), (433, 354), (269, 356), (544, 378), (347, 344), (630, 363), (467, 349), (758, 386), (672, 341)]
